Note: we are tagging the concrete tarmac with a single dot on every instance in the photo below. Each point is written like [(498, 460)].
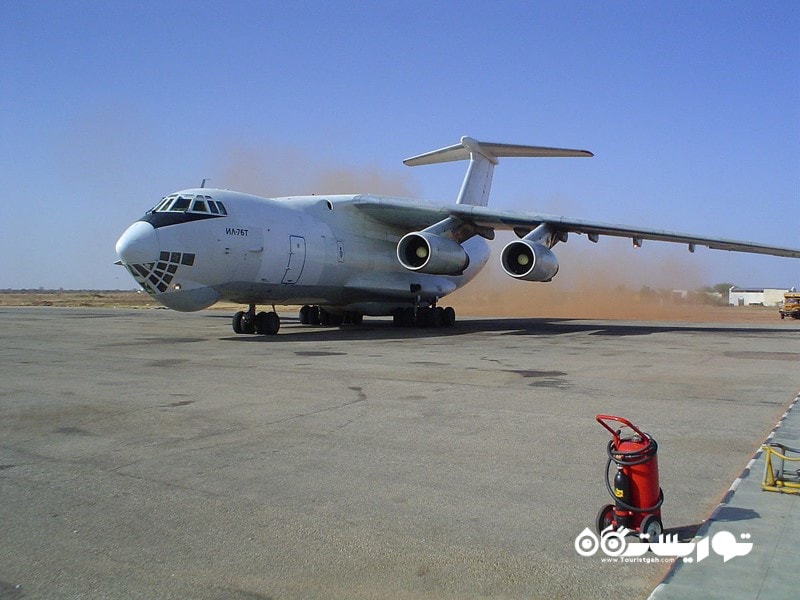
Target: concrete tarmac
[(151, 454)]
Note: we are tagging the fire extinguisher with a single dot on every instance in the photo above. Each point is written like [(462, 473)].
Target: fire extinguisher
[(636, 491)]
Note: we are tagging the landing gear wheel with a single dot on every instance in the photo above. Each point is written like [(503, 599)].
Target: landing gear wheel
[(605, 518), (651, 528), (245, 321), (449, 317), (237, 322), (353, 318), (305, 315), (425, 317), (267, 323), (324, 317)]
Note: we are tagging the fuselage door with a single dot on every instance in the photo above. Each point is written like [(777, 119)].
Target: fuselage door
[(297, 259)]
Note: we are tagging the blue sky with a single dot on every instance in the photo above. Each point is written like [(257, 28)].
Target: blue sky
[(691, 108)]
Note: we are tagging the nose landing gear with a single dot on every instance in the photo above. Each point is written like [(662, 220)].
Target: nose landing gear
[(264, 323)]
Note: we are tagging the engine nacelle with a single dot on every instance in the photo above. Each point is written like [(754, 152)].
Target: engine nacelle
[(429, 253), (524, 259)]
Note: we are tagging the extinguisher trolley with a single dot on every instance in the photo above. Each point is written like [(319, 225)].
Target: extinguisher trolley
[(634, 487)]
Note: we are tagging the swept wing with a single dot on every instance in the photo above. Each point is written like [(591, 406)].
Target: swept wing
[(414, 214)]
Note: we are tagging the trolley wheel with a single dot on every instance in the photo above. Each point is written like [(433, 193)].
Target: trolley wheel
[(651, 528), (605, 518)]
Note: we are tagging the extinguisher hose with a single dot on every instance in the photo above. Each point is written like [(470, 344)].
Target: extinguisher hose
[(630, 459)]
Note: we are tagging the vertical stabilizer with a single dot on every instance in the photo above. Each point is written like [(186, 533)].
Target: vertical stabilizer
[(482, 160), (478, 179)]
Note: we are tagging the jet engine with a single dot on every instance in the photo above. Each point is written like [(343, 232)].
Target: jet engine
[(528, 260), (430, 253)]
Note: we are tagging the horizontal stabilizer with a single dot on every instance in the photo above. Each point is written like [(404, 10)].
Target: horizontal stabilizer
[(492, 151)]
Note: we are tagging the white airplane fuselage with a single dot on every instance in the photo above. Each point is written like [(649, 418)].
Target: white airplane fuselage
[(299, 250)]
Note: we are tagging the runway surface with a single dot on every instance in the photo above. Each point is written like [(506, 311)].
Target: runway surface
[(146, 453)]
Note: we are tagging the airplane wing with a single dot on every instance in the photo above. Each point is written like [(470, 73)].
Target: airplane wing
[(412, 215)]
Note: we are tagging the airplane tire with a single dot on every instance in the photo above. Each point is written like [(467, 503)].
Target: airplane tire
[(273, 323), (237, 322), (426, 317), (248, 323), (260, 323), (304, 314), (352, 318), (267, 323), (324, 317), (449, 317)]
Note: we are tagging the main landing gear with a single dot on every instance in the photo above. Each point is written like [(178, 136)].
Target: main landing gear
[(266, 323), (316, 315), (428, 316)]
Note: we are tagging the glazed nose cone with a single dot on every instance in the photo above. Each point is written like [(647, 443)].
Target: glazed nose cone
[(139, 244)]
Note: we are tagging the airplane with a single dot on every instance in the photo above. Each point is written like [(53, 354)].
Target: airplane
[(346, 256)]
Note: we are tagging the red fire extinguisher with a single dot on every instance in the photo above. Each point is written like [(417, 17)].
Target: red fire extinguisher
[(635, 488)]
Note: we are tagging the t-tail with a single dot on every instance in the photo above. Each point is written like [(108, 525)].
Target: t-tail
[(482, 160)]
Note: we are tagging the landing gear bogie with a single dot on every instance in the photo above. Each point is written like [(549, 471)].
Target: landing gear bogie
[(316, 315), (424, 317), (250, 322)]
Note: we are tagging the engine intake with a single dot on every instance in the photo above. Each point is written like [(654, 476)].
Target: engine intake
[(429, 253), (530, 261)]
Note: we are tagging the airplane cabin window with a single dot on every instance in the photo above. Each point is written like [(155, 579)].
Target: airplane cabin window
[(222, 208), (199, 206), (213, 207)]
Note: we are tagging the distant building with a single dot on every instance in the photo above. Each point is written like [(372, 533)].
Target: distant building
[(755, 296)]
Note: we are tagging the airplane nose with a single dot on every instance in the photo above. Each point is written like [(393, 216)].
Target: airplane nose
[(139, 244)]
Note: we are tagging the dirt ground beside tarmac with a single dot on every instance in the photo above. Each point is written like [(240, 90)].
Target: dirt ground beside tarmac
[(521, 302)]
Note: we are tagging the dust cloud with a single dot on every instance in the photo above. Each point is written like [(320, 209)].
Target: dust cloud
[(274, 172), (609, 280)]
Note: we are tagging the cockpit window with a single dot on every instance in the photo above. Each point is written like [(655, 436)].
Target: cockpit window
[(184, 204), (180, 205), (160, 205), (199, 205)]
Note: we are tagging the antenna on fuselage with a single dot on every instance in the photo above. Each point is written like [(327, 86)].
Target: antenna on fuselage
[(203, 184)]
